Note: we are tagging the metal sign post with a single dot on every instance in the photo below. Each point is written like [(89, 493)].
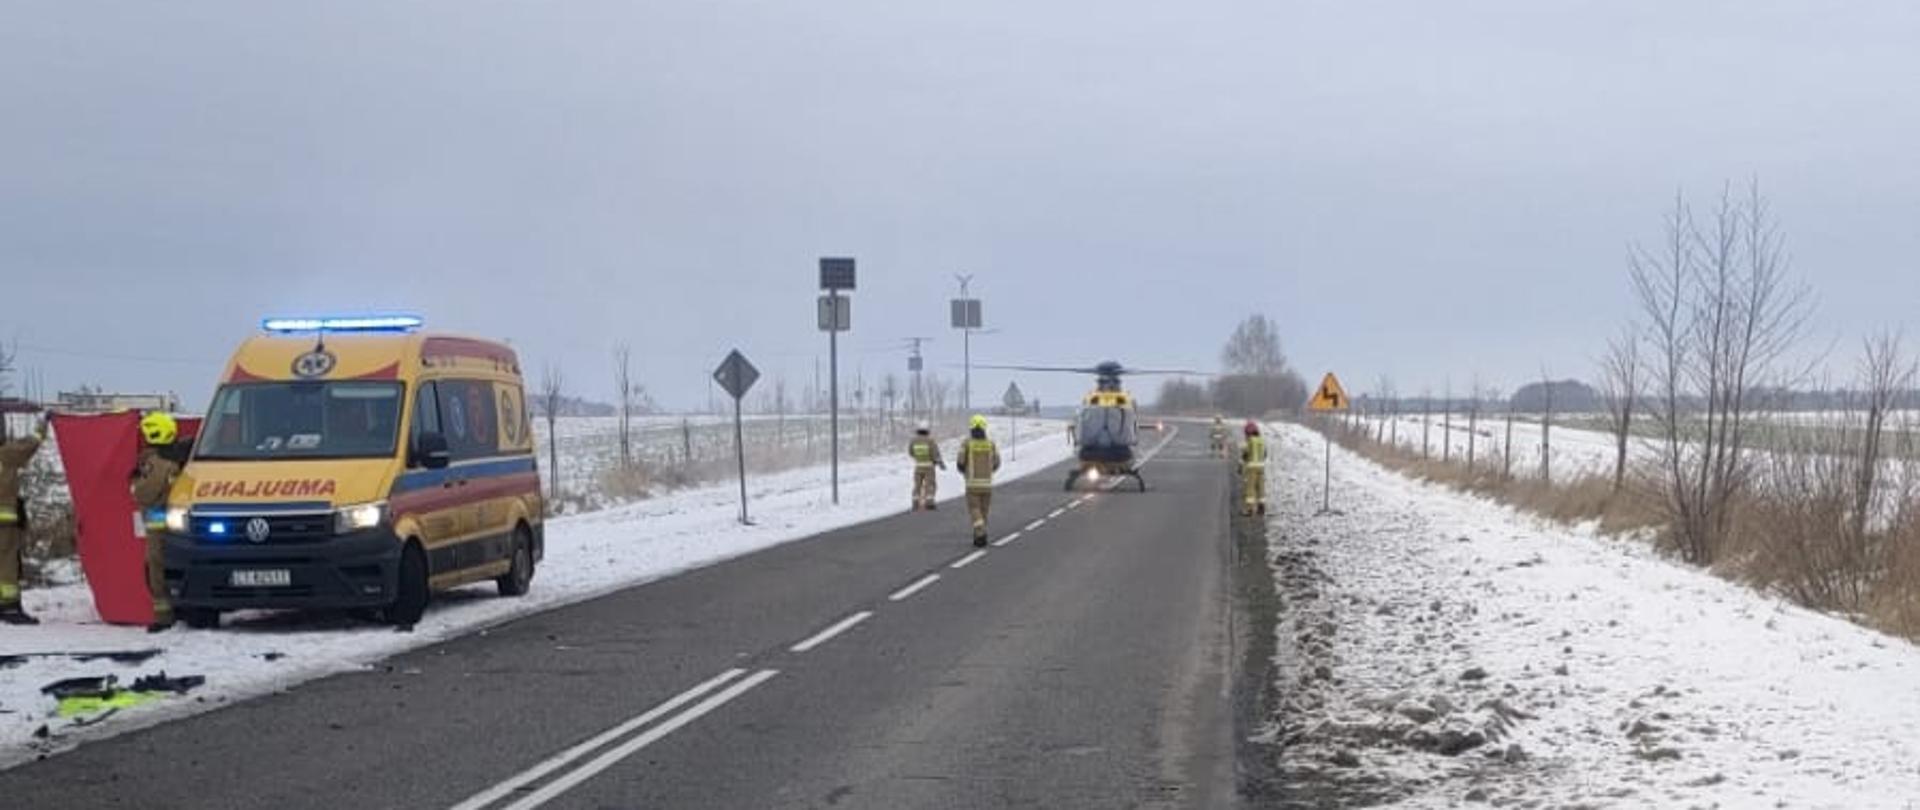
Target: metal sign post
[(1015, 402), (736, 376), (966, 318), (836, 316), (1330, 397)]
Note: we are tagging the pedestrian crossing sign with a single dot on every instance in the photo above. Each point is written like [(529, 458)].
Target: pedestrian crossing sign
[(1330, 396)]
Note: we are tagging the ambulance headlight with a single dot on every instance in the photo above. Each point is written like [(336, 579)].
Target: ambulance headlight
[(177, 519), (360, 517)]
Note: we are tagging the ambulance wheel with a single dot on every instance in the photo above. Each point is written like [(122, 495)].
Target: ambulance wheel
[(410, 603), (199, 618), (518, 579)]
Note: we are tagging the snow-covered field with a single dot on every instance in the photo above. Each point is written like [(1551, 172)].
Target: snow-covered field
[(587, 555), (1436, 649), (1576, 451)]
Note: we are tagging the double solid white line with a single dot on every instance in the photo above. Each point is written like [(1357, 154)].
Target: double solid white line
[(611, 756)]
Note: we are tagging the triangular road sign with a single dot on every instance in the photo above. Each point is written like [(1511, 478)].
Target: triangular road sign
[(1330, 396)]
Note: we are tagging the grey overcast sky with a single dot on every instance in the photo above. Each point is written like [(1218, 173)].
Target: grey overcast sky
[(1420, 189)]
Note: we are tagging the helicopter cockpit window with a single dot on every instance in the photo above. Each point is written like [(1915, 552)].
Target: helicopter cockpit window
[(1106, 427)]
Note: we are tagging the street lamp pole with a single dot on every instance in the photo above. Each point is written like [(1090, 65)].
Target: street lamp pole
[(966, 348)]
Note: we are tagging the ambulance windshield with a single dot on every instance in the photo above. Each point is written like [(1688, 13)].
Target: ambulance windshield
[(275, 420)]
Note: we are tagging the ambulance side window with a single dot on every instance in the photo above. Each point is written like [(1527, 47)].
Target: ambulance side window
[(469, 418), (426, 410)]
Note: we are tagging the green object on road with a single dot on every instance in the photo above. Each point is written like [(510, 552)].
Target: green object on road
[(88, 704)]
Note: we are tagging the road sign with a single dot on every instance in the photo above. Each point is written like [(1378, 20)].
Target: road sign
[(836, 313), (966, 313), (1014, 400), (735, 375), (1330, 397), (836, 274)]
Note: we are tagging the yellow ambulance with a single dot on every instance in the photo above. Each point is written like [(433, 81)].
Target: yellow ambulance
[(356, 463)]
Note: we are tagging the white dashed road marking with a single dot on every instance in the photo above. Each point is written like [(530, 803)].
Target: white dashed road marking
[(914, 588)]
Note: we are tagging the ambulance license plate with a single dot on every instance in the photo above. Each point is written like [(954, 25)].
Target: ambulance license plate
[(266, 578)]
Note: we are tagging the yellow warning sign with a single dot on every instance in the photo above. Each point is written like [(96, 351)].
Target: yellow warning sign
[(1330, 397)]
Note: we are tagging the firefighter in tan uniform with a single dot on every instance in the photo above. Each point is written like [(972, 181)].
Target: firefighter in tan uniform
[(151, 481), (14, 456), (926, 458), (1218, 437), (979, 460), (1253, 471)]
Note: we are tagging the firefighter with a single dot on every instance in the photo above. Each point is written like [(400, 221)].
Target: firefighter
[(152, 479), (979, 460), (14, 456), (1253, 471), (926, 458), (1219, 436)]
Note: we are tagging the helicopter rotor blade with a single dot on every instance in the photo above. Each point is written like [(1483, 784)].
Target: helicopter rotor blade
[(1060, 369), (1166, 371)]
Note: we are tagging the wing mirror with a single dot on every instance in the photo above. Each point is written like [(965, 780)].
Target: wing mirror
[(430, 451)]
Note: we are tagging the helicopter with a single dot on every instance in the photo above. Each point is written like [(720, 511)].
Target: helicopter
[(1106, 429)]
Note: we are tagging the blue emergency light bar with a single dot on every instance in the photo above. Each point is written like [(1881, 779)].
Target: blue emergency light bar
[(356, 323)]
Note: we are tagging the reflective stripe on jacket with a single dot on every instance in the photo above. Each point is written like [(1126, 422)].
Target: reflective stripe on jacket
[(925, 453), (1254, 457), (981, 459)]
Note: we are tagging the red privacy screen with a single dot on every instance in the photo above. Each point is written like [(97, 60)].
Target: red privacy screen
[(99, 453)]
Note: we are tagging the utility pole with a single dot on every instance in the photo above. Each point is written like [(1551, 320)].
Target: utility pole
[(914, 364), (966, 318)]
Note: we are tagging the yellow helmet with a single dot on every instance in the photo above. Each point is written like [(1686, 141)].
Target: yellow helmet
[(159, 429), (978, 422)]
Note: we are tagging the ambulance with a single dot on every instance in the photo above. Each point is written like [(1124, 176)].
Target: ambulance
[(356, 463)]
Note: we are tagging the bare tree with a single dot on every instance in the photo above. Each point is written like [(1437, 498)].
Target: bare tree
[(1385, 390), (623, 384), (1884, 374), (1621, 378), (1506, 447), (1446, 422), (1258, 378), (552, 400), (1254, 348), (1720, 315)]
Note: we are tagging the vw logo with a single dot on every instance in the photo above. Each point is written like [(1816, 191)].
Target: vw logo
[(316, 363), (258, 529)]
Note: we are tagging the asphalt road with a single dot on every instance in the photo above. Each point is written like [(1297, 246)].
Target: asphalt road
[(1083, 663)]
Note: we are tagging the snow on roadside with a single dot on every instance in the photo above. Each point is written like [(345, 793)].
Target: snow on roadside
[(1435, 648), (587, 555)]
